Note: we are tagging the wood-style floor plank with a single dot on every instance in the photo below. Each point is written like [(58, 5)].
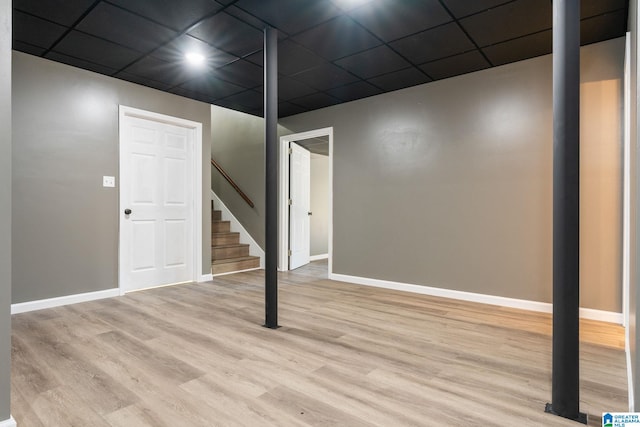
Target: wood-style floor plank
[(196, 355)]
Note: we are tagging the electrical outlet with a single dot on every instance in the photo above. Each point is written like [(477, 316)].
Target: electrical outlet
[(108, 181)]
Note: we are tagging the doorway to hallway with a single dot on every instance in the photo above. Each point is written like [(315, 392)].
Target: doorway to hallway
[(306, 215)]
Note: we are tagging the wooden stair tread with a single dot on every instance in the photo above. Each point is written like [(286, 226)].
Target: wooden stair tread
[(237, 259), (220, 226), (231, 245), (228, 254)]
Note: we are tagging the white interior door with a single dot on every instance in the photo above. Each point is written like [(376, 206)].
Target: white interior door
[(156, 203), (299, 209)]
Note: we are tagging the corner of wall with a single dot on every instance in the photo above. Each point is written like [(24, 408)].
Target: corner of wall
[(632, 330), (5, 212)]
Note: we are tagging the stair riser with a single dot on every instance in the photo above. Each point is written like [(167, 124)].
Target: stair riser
[(235, 266), (226, 239), (220, 227), (226, 253)]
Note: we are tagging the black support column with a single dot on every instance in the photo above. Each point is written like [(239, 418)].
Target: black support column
[(565, 398), (271, 176)]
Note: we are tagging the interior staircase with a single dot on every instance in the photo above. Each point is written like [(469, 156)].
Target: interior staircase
[(228, 255)]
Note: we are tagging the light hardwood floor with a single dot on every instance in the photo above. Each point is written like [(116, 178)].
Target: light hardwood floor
[(346, 355)]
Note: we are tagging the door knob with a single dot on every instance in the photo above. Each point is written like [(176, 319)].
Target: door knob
[(309, 213), (127, 211)]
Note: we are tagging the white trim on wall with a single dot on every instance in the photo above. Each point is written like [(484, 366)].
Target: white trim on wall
[(245, 237), (543, 307), (626, 216), (205, 278), (599, 315), (8, 423), (24, 307), (318, 257), (197, 167), (283, 191), (626, 184)]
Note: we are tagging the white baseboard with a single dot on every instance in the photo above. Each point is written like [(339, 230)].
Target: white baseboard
[(205, 278), (24, 307), (245, 237), (239, 271), (318, 257), (8, 423), (600, 315), (586, 313)]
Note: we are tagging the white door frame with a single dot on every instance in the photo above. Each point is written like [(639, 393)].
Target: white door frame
[(125, 111), (283, 202), (626, 185)]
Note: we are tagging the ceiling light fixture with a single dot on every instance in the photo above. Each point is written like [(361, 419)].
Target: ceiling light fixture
[(351, 4), (194, 58)]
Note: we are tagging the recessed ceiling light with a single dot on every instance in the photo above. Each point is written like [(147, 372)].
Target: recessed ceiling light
[(194, 58), (351, 4)]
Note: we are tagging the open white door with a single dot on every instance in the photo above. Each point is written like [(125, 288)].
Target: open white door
[(300, 196), (156, 203)]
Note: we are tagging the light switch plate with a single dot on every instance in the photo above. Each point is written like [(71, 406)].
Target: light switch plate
[(108, 181)]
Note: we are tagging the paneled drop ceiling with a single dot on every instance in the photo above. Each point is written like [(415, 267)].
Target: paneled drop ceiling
[(330, 51)]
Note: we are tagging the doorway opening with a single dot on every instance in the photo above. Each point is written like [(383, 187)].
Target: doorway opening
[(299, 224)]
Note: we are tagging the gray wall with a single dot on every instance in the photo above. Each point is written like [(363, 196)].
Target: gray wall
[(65, 138), (633, 329), (319, 223), (237, 144), (5, 209), (448, 184)]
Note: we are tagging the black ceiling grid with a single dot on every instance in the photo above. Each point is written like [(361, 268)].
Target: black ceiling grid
[(330, 51)]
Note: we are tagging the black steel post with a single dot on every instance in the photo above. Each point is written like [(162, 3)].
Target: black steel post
[(565, 387), (271, 176)]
